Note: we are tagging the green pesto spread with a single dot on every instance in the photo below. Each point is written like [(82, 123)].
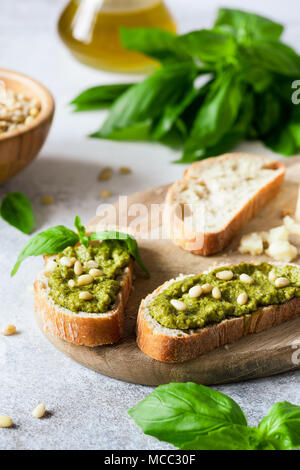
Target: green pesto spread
[(111, 257), (204, 309)]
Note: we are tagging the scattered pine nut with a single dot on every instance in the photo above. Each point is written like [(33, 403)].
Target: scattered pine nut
[(9, 330), (65, 261), (242, 298), (91, 264), (78, 268), (39, 411), (206, 288), (95, 272), (85, 295), (85, 279), (224, 275), (246, 279), (47, 199), (125, 170), (105, 193), (282, 282), (216, 293), (272, 276), (178, 304), (105, 174), (195, 291), (5, 422), (71, 283)]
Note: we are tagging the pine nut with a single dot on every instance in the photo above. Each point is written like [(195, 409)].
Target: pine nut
[(282, 282), (5, 422), (216, 293), (73, 259), (272, 276), (242, 299), (77, 268), (85, 295), (91, 264), (105, 193), (50, 265), (206, 288), (85, 279), (71, 283), (65, 261), (105, 174), (39, 411), (195, 291), (9, 330), (125, 170), (47, 199), (224, 275), (95, 272), (246, 279), (178, 304)]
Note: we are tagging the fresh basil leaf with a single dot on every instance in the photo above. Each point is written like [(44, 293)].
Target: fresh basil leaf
[(131, 243), (99, 97), (154, 42), (172, 113), (83, 239), (49, 242), (140, 131), (147, 99), (275, 57), (180, 413), (231, 138), (208, 45), (233, 437), (281, 141), (216, 116), (268, 111), (248, 25), (281, 426), (16, 209)]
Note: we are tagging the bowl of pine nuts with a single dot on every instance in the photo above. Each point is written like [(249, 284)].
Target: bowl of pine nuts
[(26, 113)]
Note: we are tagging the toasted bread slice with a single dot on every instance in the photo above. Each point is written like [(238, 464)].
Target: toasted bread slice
[(217, 197), (88, 329), (175, 345)]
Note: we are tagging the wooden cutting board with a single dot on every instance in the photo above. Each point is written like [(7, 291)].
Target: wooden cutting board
[(257, 355)]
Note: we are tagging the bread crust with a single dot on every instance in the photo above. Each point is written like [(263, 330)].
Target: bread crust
[(214, 242), (156, 342), (82, 328)]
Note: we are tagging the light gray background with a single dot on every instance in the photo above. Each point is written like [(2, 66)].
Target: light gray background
[(88, 411)]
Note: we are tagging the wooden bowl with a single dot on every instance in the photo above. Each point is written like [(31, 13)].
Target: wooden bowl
[(18, 148)]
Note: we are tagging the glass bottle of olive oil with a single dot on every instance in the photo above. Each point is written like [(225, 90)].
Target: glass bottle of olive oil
[(90, 29)]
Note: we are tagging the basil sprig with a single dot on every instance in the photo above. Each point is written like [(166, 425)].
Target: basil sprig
[(213, 89), (56, 239), (16, 210), (194, 417), (131, 244)]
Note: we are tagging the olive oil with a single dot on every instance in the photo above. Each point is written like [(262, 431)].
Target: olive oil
[(90, 29)]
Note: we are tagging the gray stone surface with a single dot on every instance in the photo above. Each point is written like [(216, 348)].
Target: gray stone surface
[(86, 410)]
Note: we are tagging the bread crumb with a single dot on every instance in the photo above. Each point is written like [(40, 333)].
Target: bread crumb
[(125, 170), (47, 199), (105, 193), (105, 174)]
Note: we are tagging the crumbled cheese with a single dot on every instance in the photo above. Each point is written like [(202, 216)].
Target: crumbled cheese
[(291, 225), (281, 250), (278, 234), (251, 243)]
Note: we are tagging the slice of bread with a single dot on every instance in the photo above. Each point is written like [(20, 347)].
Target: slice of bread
[(217, 197), (88, 329), (174, 345)]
